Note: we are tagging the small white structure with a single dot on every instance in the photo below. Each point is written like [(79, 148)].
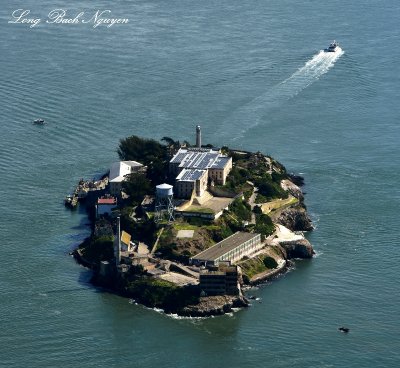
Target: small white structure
[(164, 205), (119, 171)]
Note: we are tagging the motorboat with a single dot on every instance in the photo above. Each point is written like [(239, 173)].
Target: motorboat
[(71, 201), (38, 122), (332, 47)]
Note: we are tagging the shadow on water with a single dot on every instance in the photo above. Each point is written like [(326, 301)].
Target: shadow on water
[(71, 290)]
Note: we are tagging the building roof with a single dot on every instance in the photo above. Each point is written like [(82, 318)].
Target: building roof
[(110, 200), (179, 156), (220, 162), (199, 160), (195, 158), (225, 246), (120, 169), (190, 175)]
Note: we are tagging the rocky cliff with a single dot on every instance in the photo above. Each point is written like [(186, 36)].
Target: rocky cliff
[(295, 219), (298, 248), (213, 306)]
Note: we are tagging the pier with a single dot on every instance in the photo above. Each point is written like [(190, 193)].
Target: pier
[(84, 189)]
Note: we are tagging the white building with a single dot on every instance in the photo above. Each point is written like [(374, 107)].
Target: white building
[(119, 171)]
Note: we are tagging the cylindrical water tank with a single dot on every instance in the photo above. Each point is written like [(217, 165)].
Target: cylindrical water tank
[(164, 190)]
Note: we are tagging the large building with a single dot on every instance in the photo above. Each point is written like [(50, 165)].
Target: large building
[(193, 167), (118, 172), (230, 250), (192, 158), (223, 280)]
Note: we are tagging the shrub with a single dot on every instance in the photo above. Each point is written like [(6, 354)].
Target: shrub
[(97, 249), (241, 209), (270, 262)]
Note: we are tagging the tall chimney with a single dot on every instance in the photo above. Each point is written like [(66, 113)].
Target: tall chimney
[(198, 136), (118, 243)]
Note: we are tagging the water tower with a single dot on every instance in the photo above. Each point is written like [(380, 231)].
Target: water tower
[(164, 206)]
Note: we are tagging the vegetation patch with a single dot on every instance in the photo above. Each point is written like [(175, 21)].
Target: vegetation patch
[(260, 198), (199, 209), (268, 188), (181, 249), (253, 266), (97, 249), (163, 294), (241, 209), (264, 225)]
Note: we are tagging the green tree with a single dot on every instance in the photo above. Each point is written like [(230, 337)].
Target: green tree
[(241, 209), (146, 151), (264, 225), (137, 186)]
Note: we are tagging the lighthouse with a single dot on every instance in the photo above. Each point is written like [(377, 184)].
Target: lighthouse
[(198, 136)]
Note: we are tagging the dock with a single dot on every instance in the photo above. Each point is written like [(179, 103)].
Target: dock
[(83, 189)]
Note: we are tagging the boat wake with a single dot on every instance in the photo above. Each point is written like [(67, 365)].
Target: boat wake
[(251, 114), (307, 74)]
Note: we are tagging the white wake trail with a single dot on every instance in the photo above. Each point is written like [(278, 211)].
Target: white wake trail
[(250, 115), (306, 75)]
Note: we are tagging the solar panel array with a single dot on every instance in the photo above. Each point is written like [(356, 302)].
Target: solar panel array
[(190, 175), (195, 161), (179, 156), (220, 162), (199, 160)]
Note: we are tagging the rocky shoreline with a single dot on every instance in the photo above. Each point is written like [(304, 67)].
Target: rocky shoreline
[(214, 306), (284, 246)]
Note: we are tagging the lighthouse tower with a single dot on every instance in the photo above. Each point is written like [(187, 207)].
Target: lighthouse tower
[(198, 136)]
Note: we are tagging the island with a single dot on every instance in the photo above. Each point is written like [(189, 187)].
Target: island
[(187, 228)]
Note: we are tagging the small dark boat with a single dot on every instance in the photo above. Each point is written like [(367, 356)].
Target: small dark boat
[(38, 122), (332, 47), (344, 329), (71, 201)]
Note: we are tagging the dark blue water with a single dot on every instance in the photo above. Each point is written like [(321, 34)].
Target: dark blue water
[(252, 75)]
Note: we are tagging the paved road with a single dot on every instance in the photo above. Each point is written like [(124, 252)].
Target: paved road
[(252, 204)]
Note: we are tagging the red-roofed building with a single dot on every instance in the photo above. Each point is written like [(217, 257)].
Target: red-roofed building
[(105, 205), (111, 200)]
